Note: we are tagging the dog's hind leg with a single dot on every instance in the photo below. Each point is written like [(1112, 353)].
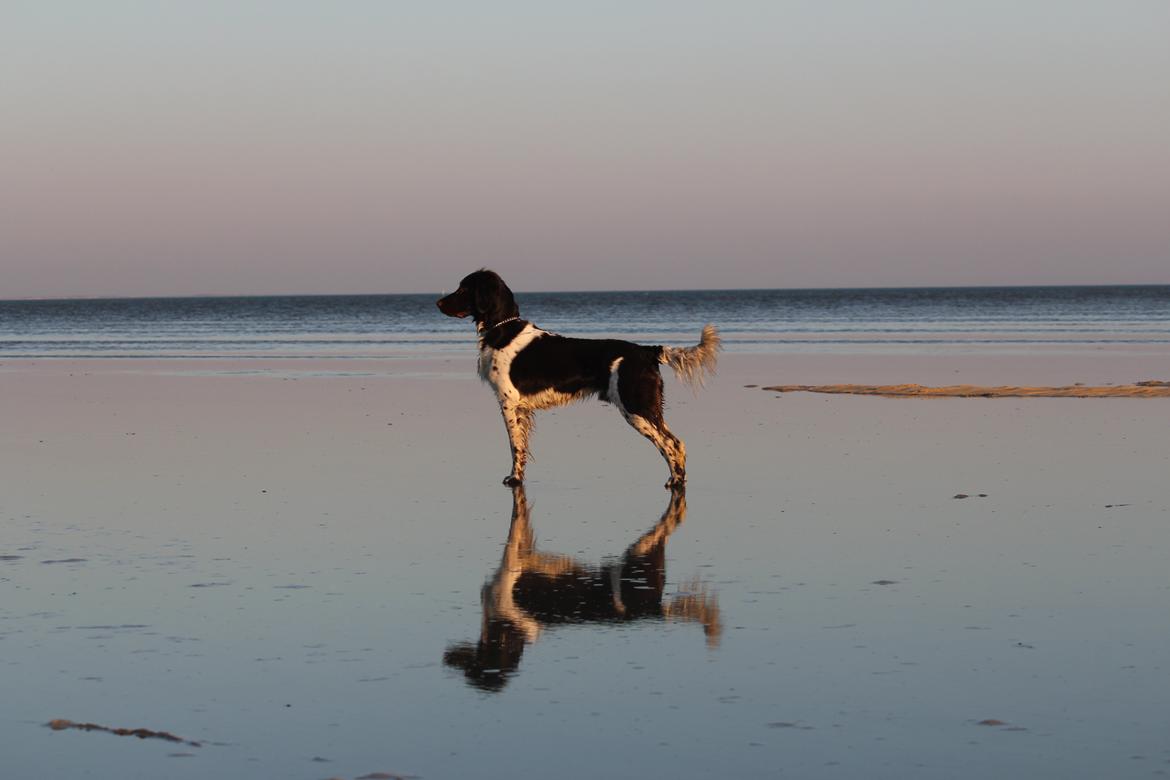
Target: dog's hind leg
[(674, 452), (518, 421), (676, 457), (639, 398)]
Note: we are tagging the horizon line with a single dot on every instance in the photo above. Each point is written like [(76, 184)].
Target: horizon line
[(195, 296)]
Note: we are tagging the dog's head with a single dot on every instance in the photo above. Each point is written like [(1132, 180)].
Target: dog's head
[(482, 295), (491, 662)]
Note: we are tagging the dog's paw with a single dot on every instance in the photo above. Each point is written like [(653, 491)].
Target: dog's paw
[(513, 481)]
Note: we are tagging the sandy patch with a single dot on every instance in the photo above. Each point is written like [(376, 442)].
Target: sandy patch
[(1148, 389)]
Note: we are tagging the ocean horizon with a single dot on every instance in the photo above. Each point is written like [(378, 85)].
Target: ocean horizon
[(387, 325), (518, 291)]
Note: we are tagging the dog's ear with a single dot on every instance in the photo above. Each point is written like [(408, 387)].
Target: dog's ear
[(487, 292), (493, 299)]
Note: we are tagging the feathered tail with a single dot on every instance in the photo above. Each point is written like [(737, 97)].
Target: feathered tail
[(694, 364)]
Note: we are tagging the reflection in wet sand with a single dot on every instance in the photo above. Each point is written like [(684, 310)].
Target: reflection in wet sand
[(532, 590)]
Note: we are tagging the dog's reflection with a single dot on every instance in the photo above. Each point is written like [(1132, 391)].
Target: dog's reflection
[(533, 590)]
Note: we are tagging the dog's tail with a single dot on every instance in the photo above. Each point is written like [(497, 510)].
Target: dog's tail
[(694, 364)]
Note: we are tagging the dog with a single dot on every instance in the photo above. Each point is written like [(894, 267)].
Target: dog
[(533, 369), (533, 590)]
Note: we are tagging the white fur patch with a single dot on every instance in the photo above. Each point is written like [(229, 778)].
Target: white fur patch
[(612, 391), (495, 365)]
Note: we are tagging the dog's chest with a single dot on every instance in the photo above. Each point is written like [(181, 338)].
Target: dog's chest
[(495, 365)]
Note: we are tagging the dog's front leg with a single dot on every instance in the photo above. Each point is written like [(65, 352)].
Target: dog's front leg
[(518, 421)]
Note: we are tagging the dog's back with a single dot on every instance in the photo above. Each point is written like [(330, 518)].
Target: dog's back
[(573, 365)]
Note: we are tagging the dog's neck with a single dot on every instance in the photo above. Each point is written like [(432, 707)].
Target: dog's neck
[(484, 328), (500, 334)]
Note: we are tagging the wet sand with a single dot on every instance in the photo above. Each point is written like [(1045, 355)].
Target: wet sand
[(271, 558)]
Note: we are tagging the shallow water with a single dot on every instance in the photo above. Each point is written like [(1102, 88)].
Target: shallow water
[(981, 320), (290, 570)]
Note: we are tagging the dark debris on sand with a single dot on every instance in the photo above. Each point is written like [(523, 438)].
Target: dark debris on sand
[(61, 724), (1002, 725)]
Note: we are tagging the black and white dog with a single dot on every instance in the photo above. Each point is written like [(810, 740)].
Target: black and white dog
[(533, 369)]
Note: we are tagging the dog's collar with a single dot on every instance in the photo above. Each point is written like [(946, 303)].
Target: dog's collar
[(501, 322)]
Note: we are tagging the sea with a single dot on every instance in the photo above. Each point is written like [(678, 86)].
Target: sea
[(987, 319)]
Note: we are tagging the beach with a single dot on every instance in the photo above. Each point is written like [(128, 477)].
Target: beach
[(260, 516), (271, 557)]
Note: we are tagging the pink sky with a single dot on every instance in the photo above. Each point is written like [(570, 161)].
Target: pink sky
[(392, 147)]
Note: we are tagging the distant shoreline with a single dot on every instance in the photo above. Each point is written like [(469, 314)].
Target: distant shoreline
[(886, 289)]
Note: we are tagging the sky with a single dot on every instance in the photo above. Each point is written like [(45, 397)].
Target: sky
[(248, 147)]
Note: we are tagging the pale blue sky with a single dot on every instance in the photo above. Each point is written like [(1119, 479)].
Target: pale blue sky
[(297, 147)]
